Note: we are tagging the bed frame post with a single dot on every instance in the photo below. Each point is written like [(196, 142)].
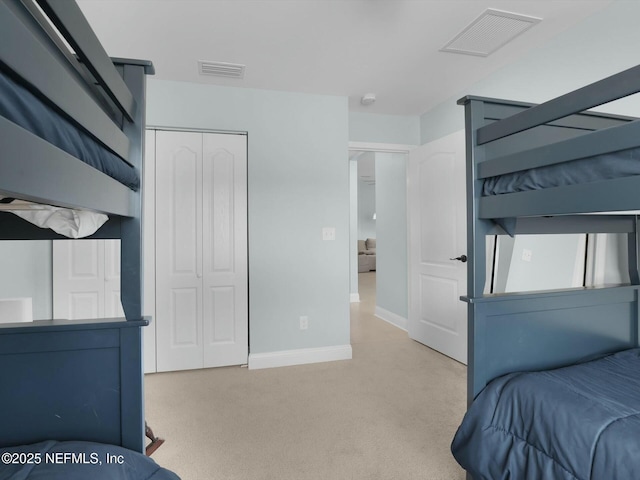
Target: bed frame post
[(131, 264), (477, 231), (131, 237)]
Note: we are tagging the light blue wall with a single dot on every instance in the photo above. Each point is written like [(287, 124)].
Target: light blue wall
[(602, 45), (391, 232), (25, 271), (398, 129), (298, 180), (552, 264)]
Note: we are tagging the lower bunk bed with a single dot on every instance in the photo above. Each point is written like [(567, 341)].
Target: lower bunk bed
[(576, 422), (553, 376)]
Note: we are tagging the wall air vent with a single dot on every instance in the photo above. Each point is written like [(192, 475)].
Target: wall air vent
[(221, 69), (489, 32)]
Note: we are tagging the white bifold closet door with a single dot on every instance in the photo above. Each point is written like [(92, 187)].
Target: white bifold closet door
[(86, 279), (201, 250)]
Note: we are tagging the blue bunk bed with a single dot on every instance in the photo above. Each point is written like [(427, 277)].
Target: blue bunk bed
[(553, 376), (71, 135)]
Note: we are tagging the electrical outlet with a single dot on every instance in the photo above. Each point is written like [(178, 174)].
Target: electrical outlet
[(526, 255), (304, 322), (328, 233)]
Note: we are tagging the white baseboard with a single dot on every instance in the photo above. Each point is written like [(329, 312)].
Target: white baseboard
[(299, 357), (355, 297), (392, 318)]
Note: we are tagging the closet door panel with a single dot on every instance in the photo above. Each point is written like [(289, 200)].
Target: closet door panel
[(178, 250), (225, 279), (78, 279), (220, 304), (219, 193), (184, 315)]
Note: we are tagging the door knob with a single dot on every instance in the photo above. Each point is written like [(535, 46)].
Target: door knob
[(462, 258)]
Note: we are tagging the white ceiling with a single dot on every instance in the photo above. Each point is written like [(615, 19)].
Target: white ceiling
[(335, 47)]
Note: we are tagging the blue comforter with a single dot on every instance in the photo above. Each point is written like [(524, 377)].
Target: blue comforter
[(53, 460), (23, 108), (623, 163), (579, 422)]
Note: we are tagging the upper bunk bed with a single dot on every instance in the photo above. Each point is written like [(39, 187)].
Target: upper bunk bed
[(553, 168), (72, 126), (568, 160)]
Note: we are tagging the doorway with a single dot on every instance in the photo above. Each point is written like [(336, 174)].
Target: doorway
[(380, 184)]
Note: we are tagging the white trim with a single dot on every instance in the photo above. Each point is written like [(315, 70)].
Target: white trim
[(392, 318), (381, 147), (355, 298), (304, 356)]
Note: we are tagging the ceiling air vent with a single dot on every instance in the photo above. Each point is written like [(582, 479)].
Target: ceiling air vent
[(221, 69), (490, 31)]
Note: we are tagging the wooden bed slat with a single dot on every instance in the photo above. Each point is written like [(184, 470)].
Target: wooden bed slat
[(70, 21), (565, 224), (48, 77), (612, 88), (46, 174)]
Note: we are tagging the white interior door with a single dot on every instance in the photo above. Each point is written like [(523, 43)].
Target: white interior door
[(86, 279), (201, 250), (437, 212)]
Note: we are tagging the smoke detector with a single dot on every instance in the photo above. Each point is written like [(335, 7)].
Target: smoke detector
[(492, 30), (368, 99)]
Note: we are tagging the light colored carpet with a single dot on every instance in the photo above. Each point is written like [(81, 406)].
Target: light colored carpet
[(390, 413)]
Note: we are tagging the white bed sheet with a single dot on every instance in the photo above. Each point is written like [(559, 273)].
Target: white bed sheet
[(65, 221)]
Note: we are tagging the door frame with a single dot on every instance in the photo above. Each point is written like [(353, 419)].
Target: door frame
[(353, 244)]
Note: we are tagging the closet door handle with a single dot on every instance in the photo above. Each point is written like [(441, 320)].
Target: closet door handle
[(461, 258)]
